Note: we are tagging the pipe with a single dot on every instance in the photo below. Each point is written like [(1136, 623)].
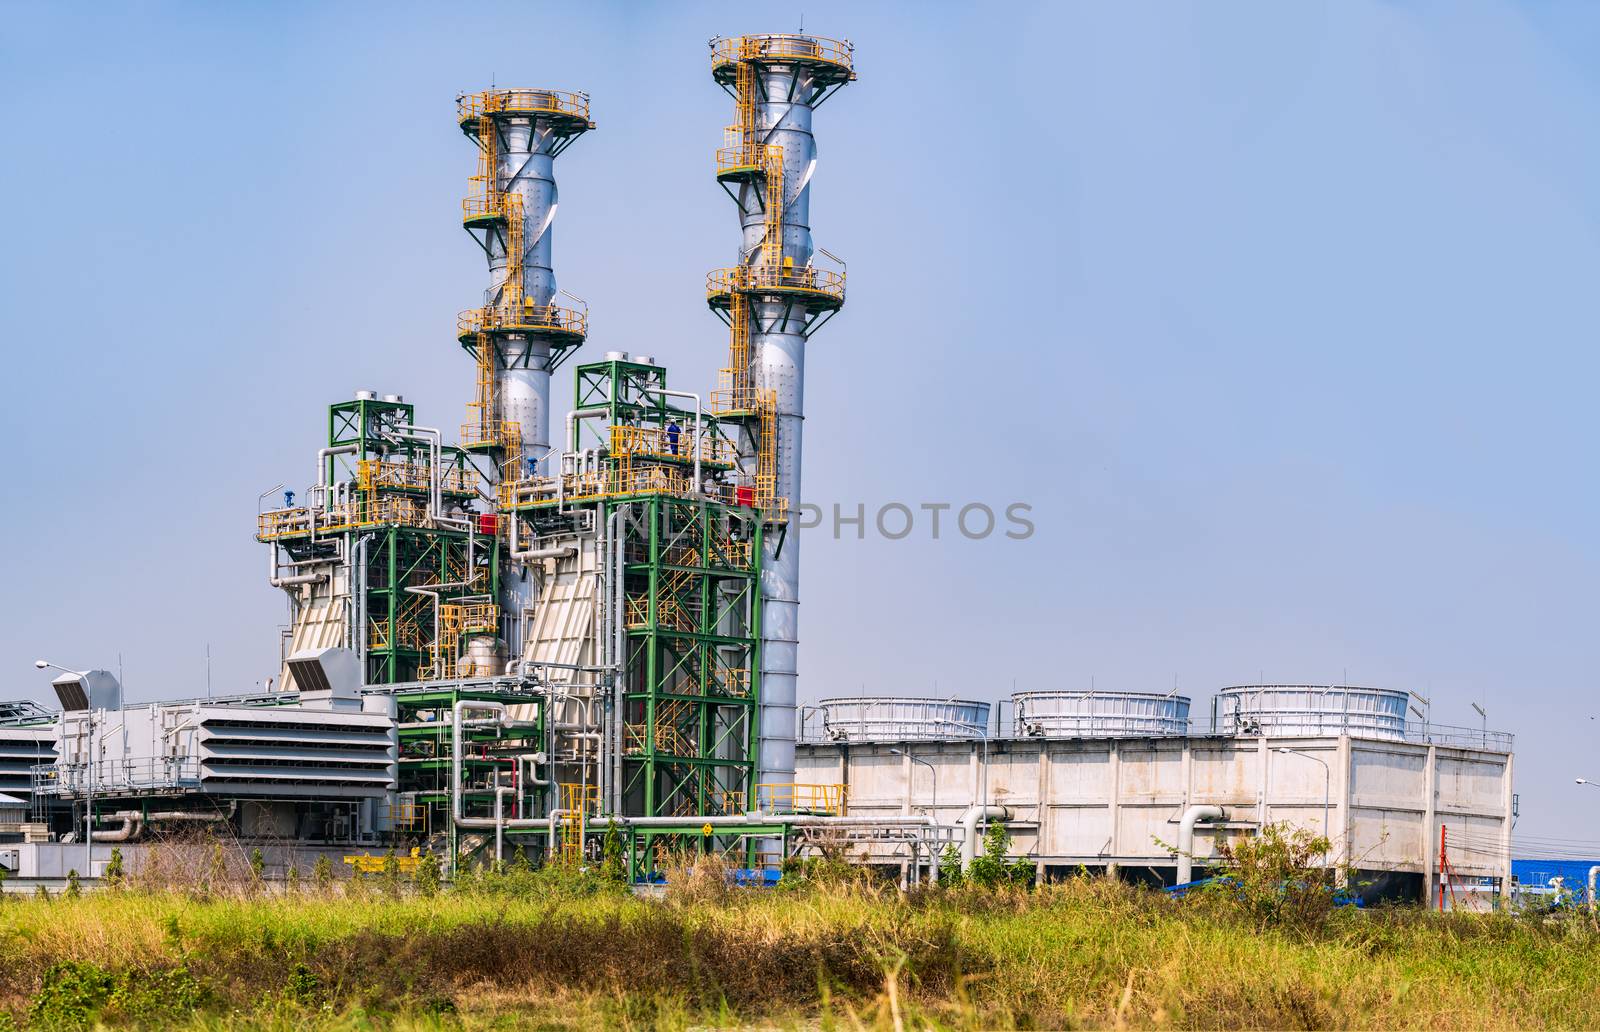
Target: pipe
[(548, 552), (435, 456), (1191, 816), (969, 828), (572, 423), (435, 591), (1593, 871), (498, 822), (289, 581), (698, 425), (132, 827), (619, 699)]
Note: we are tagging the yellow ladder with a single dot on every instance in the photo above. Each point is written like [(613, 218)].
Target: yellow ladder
[(447, 647), (572, 837), (772, 246)]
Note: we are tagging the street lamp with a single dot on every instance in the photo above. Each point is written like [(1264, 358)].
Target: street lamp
[(931, 770), (88, 780), (1586, 781), (1327, 779)]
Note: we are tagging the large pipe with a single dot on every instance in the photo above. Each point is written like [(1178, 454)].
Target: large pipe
[(458, 721), (619, 659), (1192, 816), (132, 825), (969, 829), (292, 580), (435, 441)]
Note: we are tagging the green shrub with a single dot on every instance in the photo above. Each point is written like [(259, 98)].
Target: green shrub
[(115, 873), (80, 995), (613, 866), (1276, 878), (426, 876)]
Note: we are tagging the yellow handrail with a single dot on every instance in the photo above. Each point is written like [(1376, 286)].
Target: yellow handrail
[(376, 473), (659, 442), (791, 797), (781, 46), (526, 316), (775, 277), (471, 106)]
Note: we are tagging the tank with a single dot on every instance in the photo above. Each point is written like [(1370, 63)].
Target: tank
[(1097, 714), (486, 657), (1300, 709), (895, 719)]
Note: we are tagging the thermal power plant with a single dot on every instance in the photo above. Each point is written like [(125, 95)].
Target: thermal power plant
[(578, 614)]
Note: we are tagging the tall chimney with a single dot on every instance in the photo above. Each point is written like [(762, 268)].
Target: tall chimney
[(774, 298), (520, 333)]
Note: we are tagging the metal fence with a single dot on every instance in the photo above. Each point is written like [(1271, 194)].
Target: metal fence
[(119, 777), (813, 731)]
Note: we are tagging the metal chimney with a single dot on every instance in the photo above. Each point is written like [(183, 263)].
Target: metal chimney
[(773, 299), (520, 334)]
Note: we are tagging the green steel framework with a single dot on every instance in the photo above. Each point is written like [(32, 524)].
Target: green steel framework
[(692, 615), (425, 715)]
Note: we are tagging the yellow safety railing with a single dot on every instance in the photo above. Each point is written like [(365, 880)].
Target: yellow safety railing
[(658, 442), (491, 431), (374, 473), (590, 487), (731, 800), (575, 795), (286, 522), (781, 46), (789, 797), (787, 276), (479, 206), (407, 815), (473, 617), (471, 106), (523, 317)]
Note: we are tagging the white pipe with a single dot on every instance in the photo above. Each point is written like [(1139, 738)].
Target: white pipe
[(1593, 871), (572, 423), (132, 825), (969, 828), (548, 552), (1191, 816), (284, 582), (498, 821), (618, 629), (698, 425), (435, 455)]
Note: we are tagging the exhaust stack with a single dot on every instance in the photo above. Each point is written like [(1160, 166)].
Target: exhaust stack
[(773, 299)]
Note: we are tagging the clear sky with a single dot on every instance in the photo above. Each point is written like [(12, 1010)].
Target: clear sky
[(1280, 316)]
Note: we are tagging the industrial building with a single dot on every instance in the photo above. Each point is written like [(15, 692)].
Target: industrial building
[(531, 630)]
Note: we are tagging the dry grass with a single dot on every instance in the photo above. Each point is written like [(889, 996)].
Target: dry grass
[(534, 953)]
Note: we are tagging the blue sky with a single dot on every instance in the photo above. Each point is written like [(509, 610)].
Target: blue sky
[(1280, 316)]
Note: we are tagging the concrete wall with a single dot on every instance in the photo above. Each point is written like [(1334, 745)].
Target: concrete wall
[(1099, 802)]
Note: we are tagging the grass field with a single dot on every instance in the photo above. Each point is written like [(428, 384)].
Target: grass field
[(538, 951)]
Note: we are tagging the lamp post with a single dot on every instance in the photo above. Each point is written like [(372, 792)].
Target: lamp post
[(1586, 781), (1327, 780), (88, 778), (932, 770)]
